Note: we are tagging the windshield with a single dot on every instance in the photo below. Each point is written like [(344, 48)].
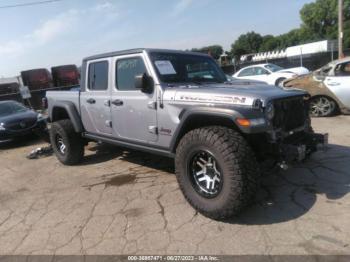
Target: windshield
[(323, 71), (273, 68), (9, 108), (183, 68)]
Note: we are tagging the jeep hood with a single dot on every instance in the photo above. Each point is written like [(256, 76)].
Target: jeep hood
[(228, 93)]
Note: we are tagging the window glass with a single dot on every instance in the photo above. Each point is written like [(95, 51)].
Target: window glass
[(273, 68), (247, 72), (126, 71), (342, 69), (9, 108), (260, 71), (183, 68), (199, 70), (322, 73), (98, 76)]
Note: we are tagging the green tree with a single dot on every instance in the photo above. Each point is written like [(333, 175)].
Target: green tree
[(269, 42), (319, 22), (321, 19), (246, 43), (347, 34)]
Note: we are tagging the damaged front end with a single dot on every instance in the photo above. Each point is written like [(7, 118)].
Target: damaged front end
[(290, 137), (298, 150)]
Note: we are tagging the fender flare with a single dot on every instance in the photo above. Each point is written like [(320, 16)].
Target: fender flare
[(72, 112), (186, 115)]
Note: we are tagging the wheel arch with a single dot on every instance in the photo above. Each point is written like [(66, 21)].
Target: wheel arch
[(66, 110), (196, 119), (328, 97), (280, 78)]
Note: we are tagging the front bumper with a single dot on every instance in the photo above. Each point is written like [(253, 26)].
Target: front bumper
[(303, 148), (39, 128)]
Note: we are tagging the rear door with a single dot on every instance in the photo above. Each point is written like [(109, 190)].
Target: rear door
[(95, 100), (339, 83), (134, 113)]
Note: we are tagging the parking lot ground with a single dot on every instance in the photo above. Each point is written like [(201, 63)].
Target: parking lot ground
[(119, 202)]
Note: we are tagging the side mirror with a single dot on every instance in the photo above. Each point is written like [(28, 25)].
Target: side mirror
[(144, 83)]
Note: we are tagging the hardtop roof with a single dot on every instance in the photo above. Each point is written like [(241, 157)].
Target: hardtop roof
[(140, 50)]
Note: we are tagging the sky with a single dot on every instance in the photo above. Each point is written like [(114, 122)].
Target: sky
[(66, 31)]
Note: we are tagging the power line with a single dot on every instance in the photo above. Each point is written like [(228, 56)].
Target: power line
[(29, 4)]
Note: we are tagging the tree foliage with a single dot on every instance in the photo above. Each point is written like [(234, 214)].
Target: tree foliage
[(319, 22), (247, 43)]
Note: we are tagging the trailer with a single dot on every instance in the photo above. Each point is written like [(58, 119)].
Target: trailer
[(66, 75), (39, 81)]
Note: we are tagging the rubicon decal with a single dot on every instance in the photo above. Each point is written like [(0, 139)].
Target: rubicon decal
[(241, 100)]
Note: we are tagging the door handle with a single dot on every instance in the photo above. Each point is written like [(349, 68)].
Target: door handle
[(91, 101), (117, 102)]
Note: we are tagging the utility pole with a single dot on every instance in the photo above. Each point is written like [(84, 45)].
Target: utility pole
[(340, 26)]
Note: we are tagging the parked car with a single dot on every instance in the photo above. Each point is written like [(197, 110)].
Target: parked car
[(17, 121), (179, 104), (269, 73), (238, 81), (329, 88)]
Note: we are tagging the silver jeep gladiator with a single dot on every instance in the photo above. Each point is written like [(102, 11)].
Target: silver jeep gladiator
[(179, 104)]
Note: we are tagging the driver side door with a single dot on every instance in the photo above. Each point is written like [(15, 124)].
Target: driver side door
[(134, 113), (261, 74)]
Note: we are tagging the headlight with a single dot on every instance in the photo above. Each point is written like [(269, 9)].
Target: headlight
[(270, 111), (2, 128)]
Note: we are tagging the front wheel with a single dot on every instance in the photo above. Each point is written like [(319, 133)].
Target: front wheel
[(66, 143), (322, 106), (217, 171), (279, 82)]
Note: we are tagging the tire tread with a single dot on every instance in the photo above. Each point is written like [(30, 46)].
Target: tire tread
[(76, 145), (236, 153)]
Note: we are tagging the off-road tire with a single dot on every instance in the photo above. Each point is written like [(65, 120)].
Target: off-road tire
[(240, 170), (72, 140)]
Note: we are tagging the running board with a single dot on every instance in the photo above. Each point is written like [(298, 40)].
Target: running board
[(144, 148)]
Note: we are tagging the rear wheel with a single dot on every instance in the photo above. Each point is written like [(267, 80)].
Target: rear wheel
[(322, 106), (66, 143), (217, 171)]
